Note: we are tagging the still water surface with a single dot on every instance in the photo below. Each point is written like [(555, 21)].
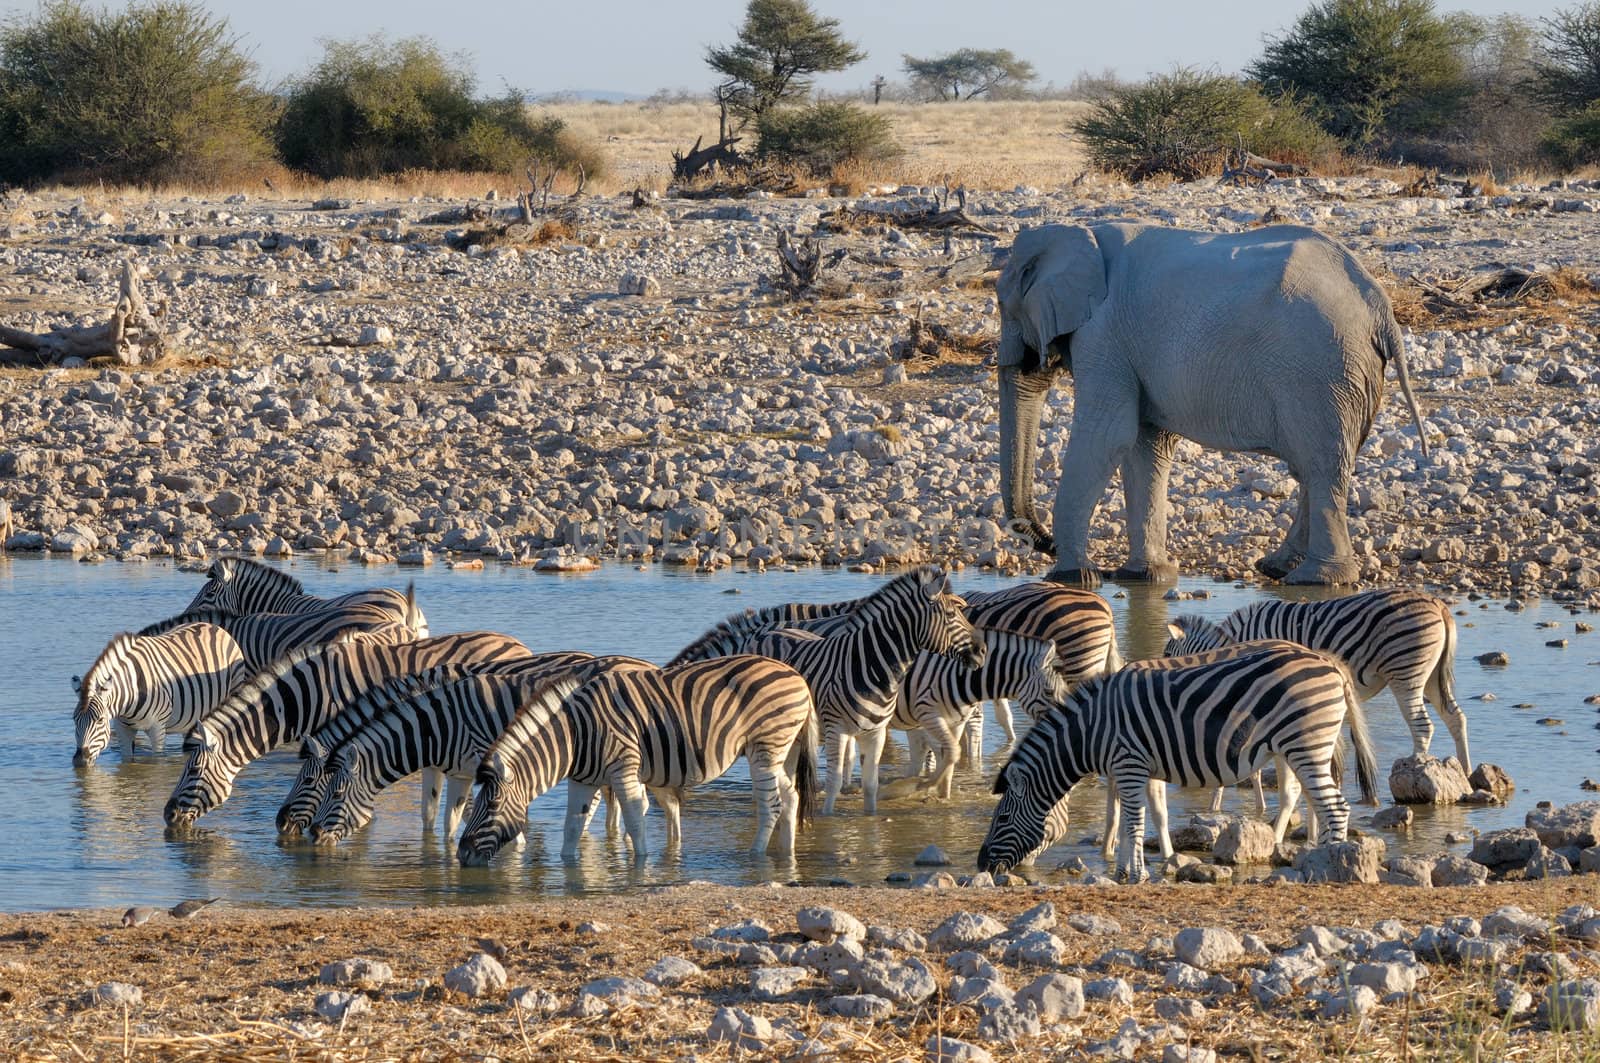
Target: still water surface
[(94, 837)]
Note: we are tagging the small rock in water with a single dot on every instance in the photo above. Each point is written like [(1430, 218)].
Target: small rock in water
[(1397, 817), (1493, 659), (932, 856), (1426, 780)]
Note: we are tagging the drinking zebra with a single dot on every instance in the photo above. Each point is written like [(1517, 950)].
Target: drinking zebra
[(502, 679), (1400, 639), (1201, 724), (856, 674), (265, 637), (669, 729), (940, 694), (298, 694), (241, 585), (157, 684)]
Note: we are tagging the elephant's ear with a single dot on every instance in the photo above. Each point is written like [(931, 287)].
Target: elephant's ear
[(1053, 284)]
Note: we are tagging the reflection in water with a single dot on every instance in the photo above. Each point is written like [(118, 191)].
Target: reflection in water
[(109, 846)]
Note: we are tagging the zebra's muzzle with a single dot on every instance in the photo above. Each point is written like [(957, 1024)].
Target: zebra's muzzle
[(82, 758)]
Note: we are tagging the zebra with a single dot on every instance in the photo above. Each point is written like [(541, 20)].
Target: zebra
[(157, 684), (1401, 639), (729, 636), (265, 637), (1197, 723), (856, 674), (1078, 622), (298, 694), (310, 786), (669, 729), (938, 695), (241, 585)]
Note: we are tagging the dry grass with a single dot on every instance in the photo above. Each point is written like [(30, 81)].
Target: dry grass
[(1564, 296), (240, 985)]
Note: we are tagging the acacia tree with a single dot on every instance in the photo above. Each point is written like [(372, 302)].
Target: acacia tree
[(1370, 66), (780, 45), (1567, 76), (969, 72)]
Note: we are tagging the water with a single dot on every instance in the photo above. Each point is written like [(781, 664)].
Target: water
[(95, 837)]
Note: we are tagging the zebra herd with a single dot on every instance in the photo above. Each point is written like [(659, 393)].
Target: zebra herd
[(371, 697)]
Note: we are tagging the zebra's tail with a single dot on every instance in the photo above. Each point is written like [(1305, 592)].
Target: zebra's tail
[(805, 772), (1114, 661), (1355, 717)]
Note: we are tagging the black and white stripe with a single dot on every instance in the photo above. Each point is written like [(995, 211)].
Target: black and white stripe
[(940, 695), (1401, 639), (1207, 723), (297, 695), (856, 674), (444, 716), (242, 585), (265, 637), (158, 684), (633, 726)]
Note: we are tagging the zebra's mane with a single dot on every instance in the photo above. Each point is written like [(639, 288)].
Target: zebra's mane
[(259, 572), (1193, 625), (198, 616), (738, 627), (534, 711), (246, 697), (374, 702), (120, 643)]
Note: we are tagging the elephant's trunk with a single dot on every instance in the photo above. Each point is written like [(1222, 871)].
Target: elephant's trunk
[(1022, 398)]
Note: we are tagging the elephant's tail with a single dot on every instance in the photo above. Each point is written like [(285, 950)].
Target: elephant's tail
[(1394, 350)]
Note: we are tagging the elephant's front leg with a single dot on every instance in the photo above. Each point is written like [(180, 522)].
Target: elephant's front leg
[(1145, 471), (1103, 429)]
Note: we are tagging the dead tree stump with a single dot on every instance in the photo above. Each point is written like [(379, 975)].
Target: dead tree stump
[(132, 337)]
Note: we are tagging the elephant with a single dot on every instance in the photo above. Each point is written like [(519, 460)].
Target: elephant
[(1271, 341)]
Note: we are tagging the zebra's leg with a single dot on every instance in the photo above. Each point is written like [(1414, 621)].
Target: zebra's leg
[(1131, 786), (580, 806), (630, 792), (432, 779), (871, 743), (1288, 798), (946, 750), (1216, 798), (457, 794), (837, 743), (765, 774), (971, 744), (848, 784), (919, 758), (1108, 844), (671, 810), (1438, 690), (613, 815), (1003, 717), (124, 737), (1322, 794), (1261, 793), (156, 733), (1157, 794)]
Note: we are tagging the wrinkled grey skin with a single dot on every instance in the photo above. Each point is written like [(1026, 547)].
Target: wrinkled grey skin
[(1272, 341)]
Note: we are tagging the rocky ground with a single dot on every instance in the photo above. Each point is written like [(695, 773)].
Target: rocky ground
[(362, 376), (1172, 973)]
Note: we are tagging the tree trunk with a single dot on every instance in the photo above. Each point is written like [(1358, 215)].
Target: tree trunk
[(132, 336)]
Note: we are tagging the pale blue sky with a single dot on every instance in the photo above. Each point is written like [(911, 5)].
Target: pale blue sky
[(638, 46)]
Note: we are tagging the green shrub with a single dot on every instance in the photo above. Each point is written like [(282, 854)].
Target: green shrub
[(1371, 67), (1575, 141), (377, 107), (158, 92), (1184, 123), (824, 135)]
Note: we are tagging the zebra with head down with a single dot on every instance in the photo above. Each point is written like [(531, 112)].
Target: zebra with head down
[(240, 585)]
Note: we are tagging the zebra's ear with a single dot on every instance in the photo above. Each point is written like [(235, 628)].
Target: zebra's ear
[(77, 684), (1175, 631)]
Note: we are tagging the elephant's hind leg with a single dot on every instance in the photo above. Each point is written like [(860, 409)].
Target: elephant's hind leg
[(1325, 493)]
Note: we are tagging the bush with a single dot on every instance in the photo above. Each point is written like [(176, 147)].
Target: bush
[(1184, 123), (1568, 73), (378, 107), (158, 92), (824, 135), (1575, 141), (1371, 67)]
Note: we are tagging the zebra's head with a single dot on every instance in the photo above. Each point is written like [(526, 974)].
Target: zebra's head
[(346, 809), (100, 699), (204, 784), (497, 816), (1192, 634), (219, 587), (1045, 687), (945, 627), (309, 788), (1032, 787)]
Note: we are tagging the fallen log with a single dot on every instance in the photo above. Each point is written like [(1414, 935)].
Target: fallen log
[(132, 337)]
